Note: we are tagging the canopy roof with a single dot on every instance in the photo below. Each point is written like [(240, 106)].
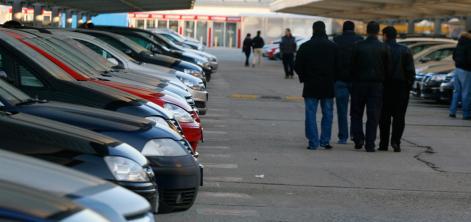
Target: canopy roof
[(375, 9), (111, 6)]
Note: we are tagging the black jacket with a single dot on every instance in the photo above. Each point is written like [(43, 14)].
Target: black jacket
[(371, 61), (402, 64), (462, 54), (346, 41), (257, 42), (288, 45), (316, 64), (247, 45)]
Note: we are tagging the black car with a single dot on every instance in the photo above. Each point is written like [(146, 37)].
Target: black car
[(168, 153), (430, 85), (78, 148), (39, 179), (37, 76), (18, 203), (447, 88), (140, 54)]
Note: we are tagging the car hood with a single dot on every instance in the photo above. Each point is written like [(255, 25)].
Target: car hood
[(111, 92), (86, 117)]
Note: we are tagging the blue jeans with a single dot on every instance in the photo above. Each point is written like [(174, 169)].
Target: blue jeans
[(456, 98), (463, 78), (311, 121), (342, 96)]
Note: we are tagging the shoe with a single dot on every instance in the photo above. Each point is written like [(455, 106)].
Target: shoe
[(370, 150), (383, 148), (396, 147), (311, 148), (327, 146), (358, 146), (452, 115)]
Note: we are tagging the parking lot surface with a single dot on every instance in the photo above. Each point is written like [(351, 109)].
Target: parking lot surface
[(257, 167)]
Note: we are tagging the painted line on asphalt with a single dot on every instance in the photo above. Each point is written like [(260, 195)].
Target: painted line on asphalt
[(294, 98), (216, 140), (224, 179), (221, 165), (210, 155), (214, 147), (244, 96), (206, 194), (215, 132), (226, 212), (212, 184)]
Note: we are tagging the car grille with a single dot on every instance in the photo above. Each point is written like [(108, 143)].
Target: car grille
[(177, 124), (178, 198), (190, 101), (200, 104)]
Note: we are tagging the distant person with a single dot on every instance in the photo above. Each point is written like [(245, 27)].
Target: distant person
[(316, 64), (396, 92), (462, 58), (257, 45), (287, 49), (247, 48), (369, 69), (346, 41)]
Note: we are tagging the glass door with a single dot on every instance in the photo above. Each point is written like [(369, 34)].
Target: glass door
[(218, 37), (231, 35), (202, 31), (189, 29)]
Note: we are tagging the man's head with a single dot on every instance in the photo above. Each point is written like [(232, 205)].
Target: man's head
[(348, 26), (288, 32), (372, 28), (248, 35), (389, 33), (259, 33), (318, 27)]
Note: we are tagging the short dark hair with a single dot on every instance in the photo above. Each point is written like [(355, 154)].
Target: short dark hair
[(259, 32), (372, 28), (318, 27), (348, 26), (248, 34), (390, 32)]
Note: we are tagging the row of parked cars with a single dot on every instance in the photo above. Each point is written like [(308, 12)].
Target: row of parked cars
[(116, 113), (433, 59)]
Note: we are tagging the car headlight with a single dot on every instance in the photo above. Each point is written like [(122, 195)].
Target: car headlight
[(180, 114), (199, 62), (191, 84), (164, 147), (125, 169), (158, 121), (194, 73)]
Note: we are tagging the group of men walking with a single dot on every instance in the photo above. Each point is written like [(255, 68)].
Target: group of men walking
[(256, 45), (376, 75)]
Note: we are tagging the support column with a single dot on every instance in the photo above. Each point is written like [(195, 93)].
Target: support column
[(468, 23), (68, 18), (17, 10), (411, 27), (437, 26), (38, 15), (55, 16)]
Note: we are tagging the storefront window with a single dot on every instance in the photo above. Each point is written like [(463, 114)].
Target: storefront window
[(140, 23), (173, 25), (190, 29), (231, 35), (162, 24), (218, 34), (202, 31), (151, 24)]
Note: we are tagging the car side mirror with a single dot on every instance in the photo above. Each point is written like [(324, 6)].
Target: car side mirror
[(128, 52), (114, 61)]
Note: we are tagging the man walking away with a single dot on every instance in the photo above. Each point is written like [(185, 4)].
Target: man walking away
[(462, 57), (396, 91), (345, 43), (247, 48), (257, 45), (316, 64), (287, 49), (370, 67)]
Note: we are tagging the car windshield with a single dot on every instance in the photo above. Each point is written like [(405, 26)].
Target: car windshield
[(419, 48), (134, 46), (161, 39), (11, 95)]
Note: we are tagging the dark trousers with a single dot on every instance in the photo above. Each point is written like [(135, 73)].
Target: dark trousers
[(288, 64), (247, 57), (369, 95), (395, 101)]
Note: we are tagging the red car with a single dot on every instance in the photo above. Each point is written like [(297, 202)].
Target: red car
[(189, 118)]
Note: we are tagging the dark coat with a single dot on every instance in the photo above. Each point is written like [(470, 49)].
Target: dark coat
[(462, 54), (316, 64), (402, 64), (288, 45), (247, 45), (346, 41), (371, 61), (257, 42)]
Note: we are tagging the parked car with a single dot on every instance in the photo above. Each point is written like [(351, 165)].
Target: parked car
[(435, 53), (200, 95), (79, 149), (429, 85), (181, 40), (421, 46), (19, 203), (447, 88), (32, 178), (413, 40)]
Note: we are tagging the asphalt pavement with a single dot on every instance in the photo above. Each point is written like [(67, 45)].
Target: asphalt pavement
[(257, 167)]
